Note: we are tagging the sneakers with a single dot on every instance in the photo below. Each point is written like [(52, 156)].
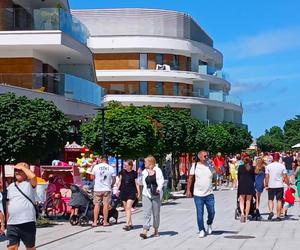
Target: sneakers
[(201, 234), (209, 229), (270, 216)]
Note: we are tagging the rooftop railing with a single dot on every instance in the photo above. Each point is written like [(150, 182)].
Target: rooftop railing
[(66, 85), (12, 19)]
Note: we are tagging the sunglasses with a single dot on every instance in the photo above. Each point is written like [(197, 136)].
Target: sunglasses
[(205, 156)]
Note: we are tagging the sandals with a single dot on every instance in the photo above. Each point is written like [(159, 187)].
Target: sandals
[(143, 236), (128, 228)]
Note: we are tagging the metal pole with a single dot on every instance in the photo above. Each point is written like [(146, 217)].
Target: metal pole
[(103, 132)]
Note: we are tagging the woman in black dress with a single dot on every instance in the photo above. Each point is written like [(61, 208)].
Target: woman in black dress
[(129, 191), (246, 188)]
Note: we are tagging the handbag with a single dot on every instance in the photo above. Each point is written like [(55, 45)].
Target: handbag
[(37, 215), (193, 181)]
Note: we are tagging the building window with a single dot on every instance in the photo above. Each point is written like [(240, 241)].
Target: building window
[(175, 89), (188, 64), (159, 59), (144, 88), (159, 88), (175, 62), (143, 61)]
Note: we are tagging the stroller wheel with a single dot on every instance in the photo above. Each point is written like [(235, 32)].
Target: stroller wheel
[(83, 221), (236, 214), (74, 220), (100, 220)]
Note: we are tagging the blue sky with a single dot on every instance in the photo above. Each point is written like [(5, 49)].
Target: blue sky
[(260, 41)]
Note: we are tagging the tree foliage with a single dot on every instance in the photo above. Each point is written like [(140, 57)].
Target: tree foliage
[(30, 130), (272, 140), (291, 130), (128, 132), (134, 132), (277, 139)]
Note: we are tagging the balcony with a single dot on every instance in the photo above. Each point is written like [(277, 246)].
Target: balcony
[(69, 86), (208, 70), (135, 89), (13, 19)]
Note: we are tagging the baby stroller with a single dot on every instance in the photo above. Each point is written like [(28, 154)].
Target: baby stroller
[(82, 208), (252, 212)]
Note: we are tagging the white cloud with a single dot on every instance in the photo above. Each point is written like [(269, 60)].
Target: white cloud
[(266, 43)]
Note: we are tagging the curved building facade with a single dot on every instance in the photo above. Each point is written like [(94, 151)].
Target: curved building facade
[(159, 57)]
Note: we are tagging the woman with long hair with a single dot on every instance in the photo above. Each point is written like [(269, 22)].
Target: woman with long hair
[(129, 191), (246, 190), (153, 182), (259, 182)]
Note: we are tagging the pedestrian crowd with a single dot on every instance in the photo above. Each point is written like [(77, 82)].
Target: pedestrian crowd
[(277, 173)]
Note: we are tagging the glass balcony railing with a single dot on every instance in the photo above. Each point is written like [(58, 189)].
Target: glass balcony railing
[(135, 89), (66, 85), (208, 70), (43, 19)]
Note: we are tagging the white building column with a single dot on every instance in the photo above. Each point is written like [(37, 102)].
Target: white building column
[(228, 115), (238, 117), (215, 114), (199, 112)]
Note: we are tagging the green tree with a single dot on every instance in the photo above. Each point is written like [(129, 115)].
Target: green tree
[(217, 139), (30, 130), (240, 138), (291, 130), (272, 140), (128, 132)]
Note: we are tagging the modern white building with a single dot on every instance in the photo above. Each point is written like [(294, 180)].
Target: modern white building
[(44, 53), (159, 57)]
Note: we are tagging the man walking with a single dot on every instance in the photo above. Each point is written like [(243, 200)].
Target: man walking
[(203, 193), (276, 175), (21, 211), (105, 177)]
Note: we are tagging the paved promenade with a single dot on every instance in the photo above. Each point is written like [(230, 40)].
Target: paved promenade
[(179, 231)]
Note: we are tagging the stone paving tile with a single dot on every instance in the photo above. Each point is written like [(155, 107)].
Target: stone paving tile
[(179, 231)]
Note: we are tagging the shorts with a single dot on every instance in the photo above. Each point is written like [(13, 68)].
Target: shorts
[(102, 197), (275, 192), (22, 232), (290, 172)]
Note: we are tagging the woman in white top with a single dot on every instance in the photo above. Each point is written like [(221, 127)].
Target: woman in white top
[(153, 182)]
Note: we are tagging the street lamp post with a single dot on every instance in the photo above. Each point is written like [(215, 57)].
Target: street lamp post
[(103, 109)]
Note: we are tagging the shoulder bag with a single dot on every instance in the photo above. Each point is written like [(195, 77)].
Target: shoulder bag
[(34, 205)]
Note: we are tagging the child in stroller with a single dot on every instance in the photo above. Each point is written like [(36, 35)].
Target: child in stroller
[(82, 208)]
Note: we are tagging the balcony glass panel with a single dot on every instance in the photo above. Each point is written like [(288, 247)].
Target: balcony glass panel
[(159, 88), (143, 61), (70, 86), (144, 88), (43, 19)]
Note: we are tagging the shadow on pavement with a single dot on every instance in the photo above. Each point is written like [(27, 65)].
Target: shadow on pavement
[(169, 203), (239, 237), (169, 233), (220, 232)]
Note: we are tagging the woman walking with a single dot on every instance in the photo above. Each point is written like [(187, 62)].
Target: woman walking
[(153, 182), (259, 182), (129, 191), (246, 179), (297, 175)]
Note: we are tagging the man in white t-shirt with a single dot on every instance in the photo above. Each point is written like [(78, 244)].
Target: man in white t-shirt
[(276, 175), (203, 192), (104, 177), (21, 212)]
